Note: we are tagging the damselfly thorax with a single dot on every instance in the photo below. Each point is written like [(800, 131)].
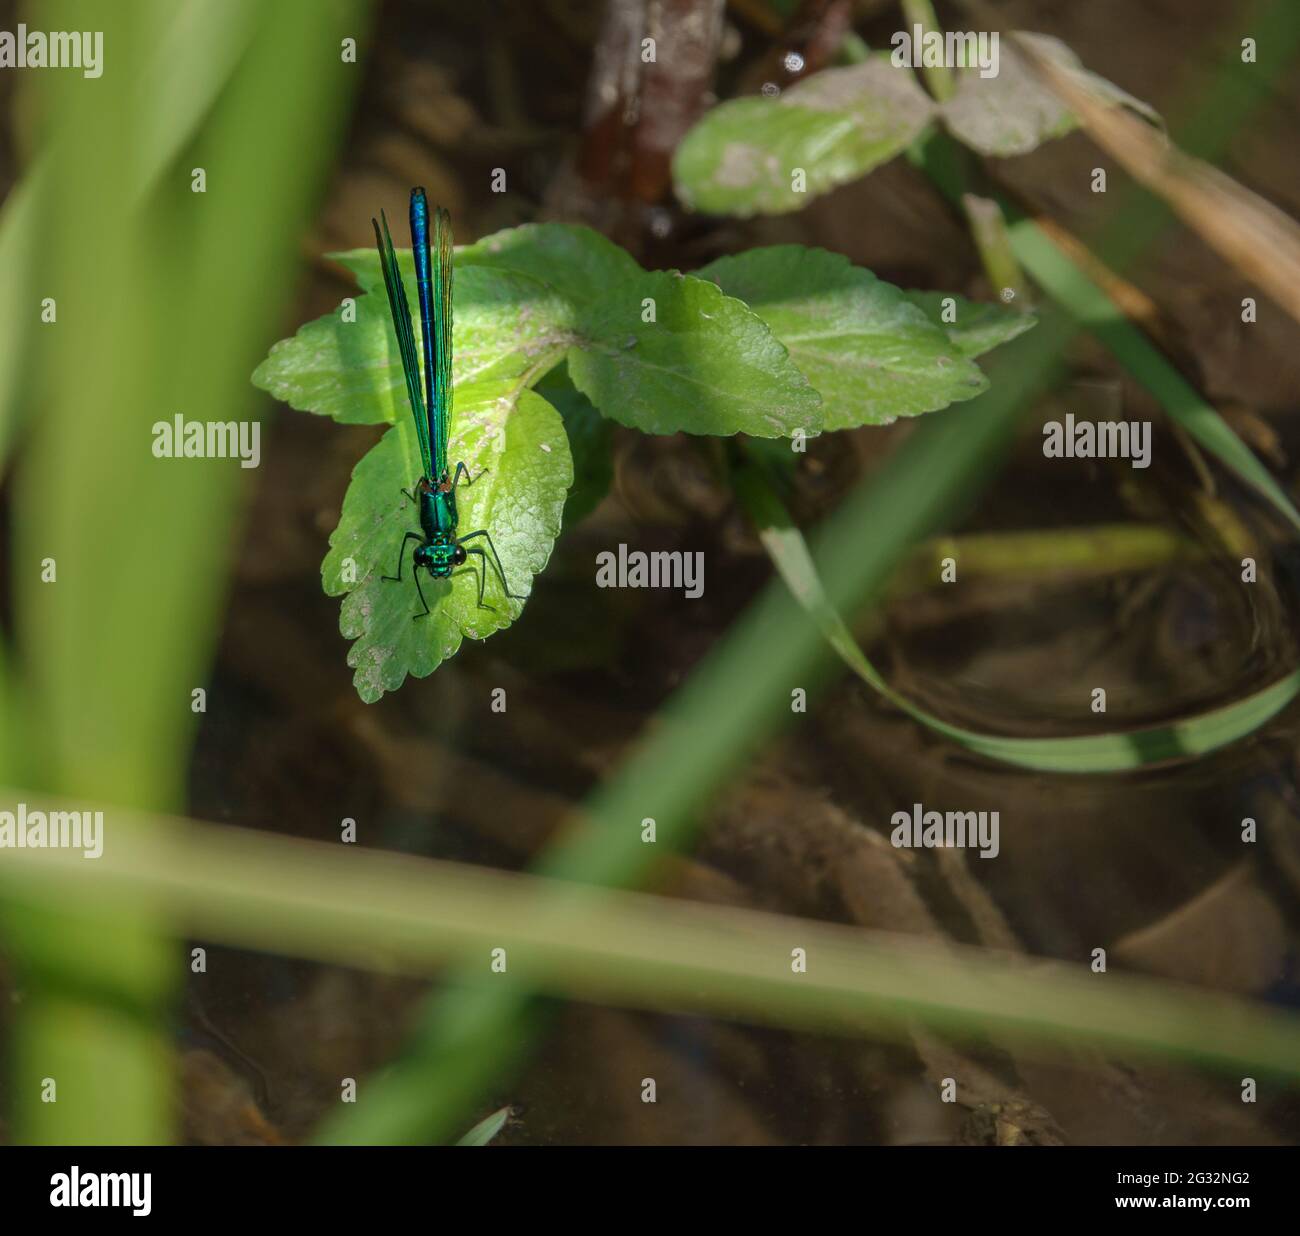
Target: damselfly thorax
[(438, 520)]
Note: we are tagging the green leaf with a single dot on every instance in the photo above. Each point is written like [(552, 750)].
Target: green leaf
[(1015, 112), (835, 126), (577, 262), (590, 441), (977, 326), (705, 365), (486, 1129), (872, 354), (514, 445), (505, 325)]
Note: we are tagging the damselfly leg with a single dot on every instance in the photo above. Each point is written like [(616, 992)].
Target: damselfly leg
[(414, 617), (415, 571), (401, 553), (495, 561)]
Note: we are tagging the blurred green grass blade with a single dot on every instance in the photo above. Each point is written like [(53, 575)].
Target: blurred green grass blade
[(184, 86), (162, 320), (405, 914), (19, 301), (1090, 753)]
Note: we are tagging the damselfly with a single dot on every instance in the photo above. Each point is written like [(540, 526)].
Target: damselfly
[(440, 551)]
